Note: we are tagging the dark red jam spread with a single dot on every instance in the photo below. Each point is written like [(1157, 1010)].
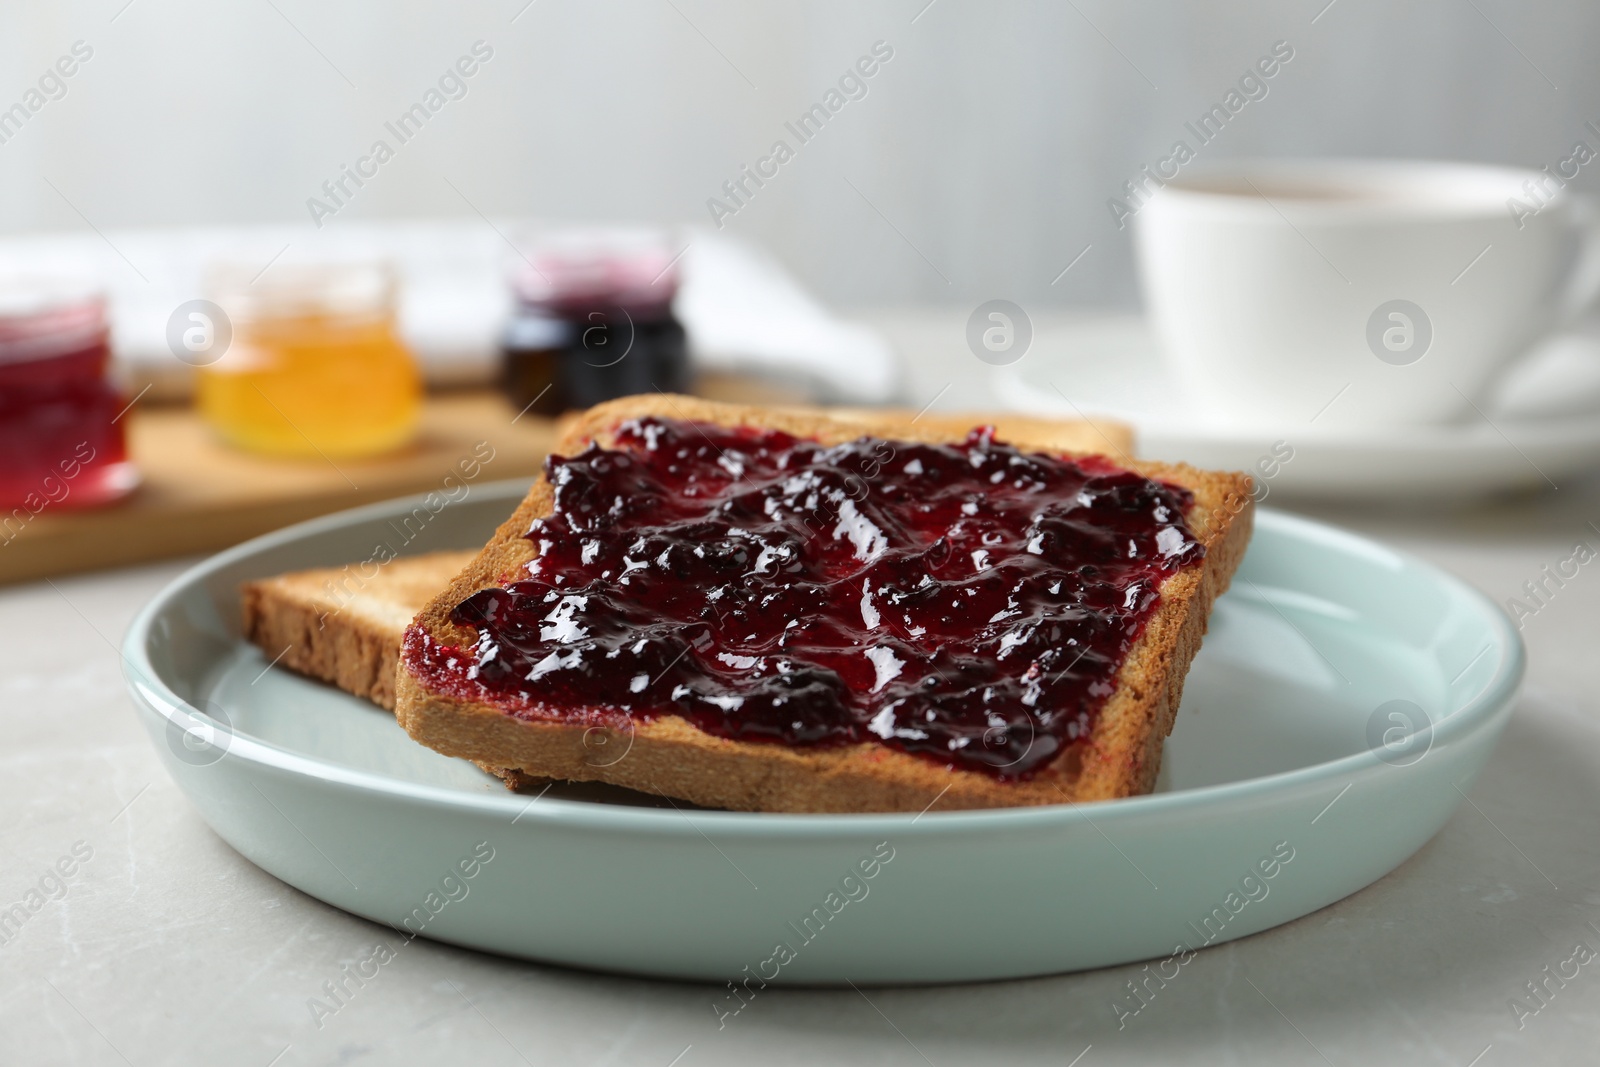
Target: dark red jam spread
[(968, 603)]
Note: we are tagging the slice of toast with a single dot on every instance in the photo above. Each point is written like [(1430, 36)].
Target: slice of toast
[(669, 756), (342, 626), (345, 628)]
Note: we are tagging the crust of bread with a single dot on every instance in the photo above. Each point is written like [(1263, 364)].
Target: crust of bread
[(669, 756), (1093, 436), (340, 627), (1100, 437), (346, 630)]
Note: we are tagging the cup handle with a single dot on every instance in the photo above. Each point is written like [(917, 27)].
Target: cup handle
[(1583, 281), (1579, 294)]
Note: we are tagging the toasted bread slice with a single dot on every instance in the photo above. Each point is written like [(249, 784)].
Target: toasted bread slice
[(339, 626), (669, 756), (344, 628)]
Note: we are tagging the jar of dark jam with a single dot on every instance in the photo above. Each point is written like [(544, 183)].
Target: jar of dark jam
[(593, 321), (62, 421)]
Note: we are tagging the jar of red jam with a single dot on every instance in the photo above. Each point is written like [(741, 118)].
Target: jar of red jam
[(61, 418), (594, 321)]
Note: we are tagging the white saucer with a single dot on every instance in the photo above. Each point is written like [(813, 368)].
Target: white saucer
[(1544, 427)]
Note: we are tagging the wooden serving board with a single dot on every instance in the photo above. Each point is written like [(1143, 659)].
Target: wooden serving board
[(199, 495)]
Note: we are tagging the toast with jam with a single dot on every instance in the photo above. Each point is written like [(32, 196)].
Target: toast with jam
[(769, 610)]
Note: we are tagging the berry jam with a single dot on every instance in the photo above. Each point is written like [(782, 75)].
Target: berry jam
[(969, 603), (61, 438)]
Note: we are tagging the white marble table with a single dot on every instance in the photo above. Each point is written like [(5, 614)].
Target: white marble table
[(168, 948)]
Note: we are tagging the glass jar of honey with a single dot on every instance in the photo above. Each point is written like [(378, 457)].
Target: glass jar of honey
[(315, 365), (61, 418)]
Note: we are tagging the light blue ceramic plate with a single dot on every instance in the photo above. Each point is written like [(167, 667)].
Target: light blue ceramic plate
[(1303, 767)]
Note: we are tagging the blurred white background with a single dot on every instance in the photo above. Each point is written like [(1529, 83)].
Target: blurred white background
[(979, 164)]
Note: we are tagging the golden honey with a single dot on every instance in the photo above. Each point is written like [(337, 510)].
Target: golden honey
[(315, 365)]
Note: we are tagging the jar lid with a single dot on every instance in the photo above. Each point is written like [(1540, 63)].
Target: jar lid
[(301, 290), (630, 268), (40, 315)]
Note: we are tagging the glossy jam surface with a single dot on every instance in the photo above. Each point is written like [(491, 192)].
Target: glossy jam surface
[(968, 603)]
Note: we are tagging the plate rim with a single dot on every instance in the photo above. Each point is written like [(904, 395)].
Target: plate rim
[(152, 695)]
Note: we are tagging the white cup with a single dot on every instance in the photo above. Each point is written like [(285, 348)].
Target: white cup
[(1358, 293)]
